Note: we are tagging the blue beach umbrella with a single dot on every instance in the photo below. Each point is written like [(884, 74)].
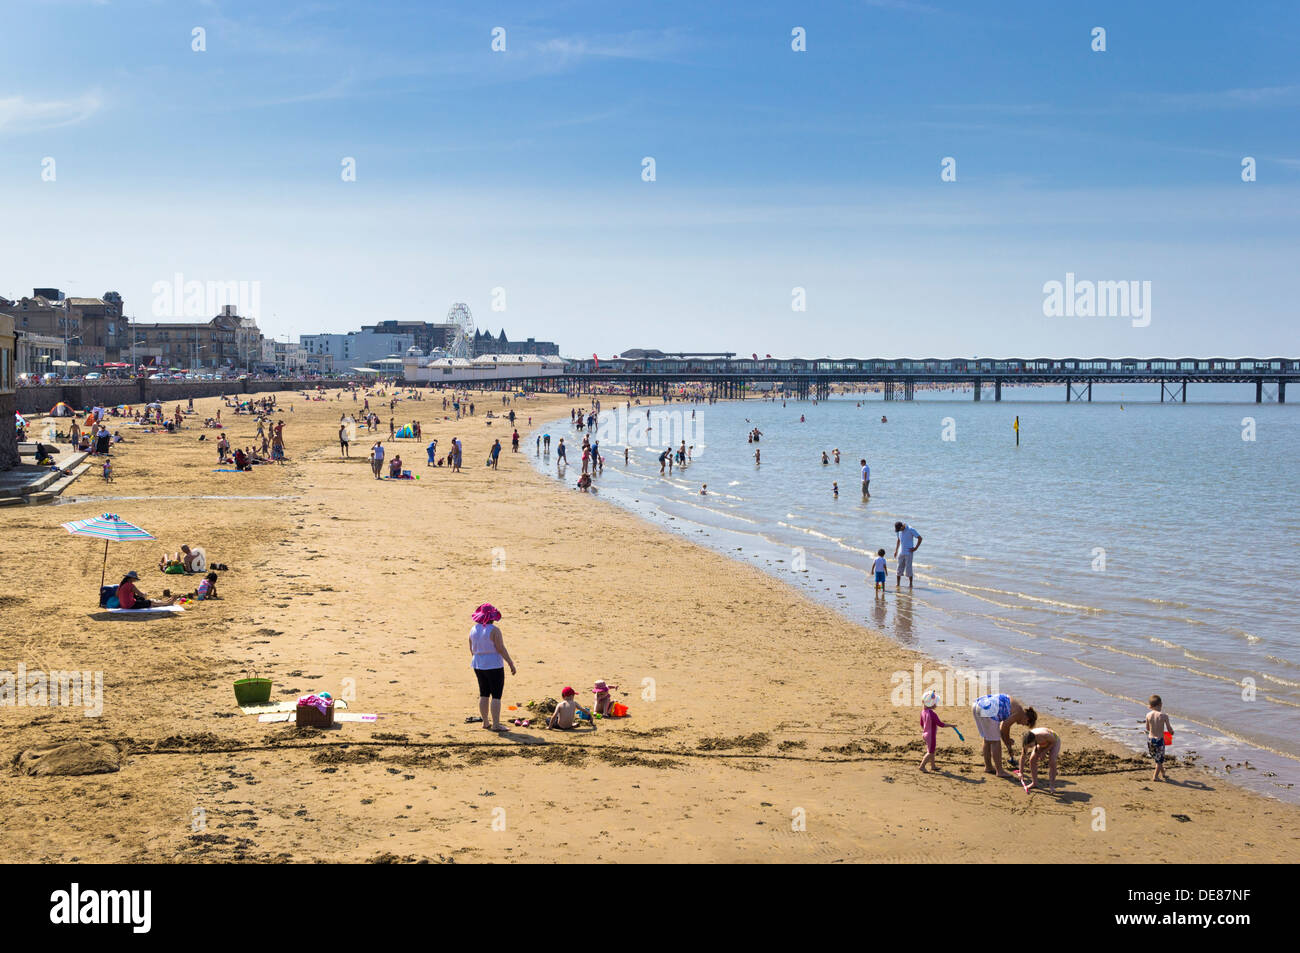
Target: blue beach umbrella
[(110, 528)]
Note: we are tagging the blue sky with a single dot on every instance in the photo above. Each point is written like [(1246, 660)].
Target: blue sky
[(775, 169)]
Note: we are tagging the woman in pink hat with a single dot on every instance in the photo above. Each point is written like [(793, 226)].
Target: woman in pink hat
[(490, 660)]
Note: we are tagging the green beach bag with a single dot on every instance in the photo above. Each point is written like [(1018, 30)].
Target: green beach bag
[(252, 690)]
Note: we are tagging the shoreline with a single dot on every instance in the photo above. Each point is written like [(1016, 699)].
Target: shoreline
[(374, 581), (1110, 731)]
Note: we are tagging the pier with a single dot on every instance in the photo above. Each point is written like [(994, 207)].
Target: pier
[(725, 375)]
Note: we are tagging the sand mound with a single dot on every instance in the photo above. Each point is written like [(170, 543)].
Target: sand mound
[(72, 758)]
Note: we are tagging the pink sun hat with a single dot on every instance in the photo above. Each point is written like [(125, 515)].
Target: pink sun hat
[(486, 614), (601, 687)]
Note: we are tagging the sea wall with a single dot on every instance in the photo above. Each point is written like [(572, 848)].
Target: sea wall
[(8, 433), (79, 395)]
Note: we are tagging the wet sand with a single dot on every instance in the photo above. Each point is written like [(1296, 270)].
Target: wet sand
[(769, 712)]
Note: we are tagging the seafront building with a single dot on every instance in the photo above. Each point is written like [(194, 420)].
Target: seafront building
[(485, 343), (228, 340), (37, 354), (440, 368), (358, 347), (89, 329)]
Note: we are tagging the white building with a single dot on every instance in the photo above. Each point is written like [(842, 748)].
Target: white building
[(357, 347), (438, 368)]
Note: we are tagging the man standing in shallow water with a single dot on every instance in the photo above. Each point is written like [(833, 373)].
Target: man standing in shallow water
[(908, 542)]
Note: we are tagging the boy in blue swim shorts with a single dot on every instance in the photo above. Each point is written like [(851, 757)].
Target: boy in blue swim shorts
[(881, 570)]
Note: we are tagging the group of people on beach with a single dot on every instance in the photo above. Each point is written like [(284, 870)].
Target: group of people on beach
[(489, 658), (996, 715)]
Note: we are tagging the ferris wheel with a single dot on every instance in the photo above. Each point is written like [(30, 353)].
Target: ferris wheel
[(462, 344)]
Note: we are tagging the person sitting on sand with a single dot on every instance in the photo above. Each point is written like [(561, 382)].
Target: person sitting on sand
[(1038, 740), (207, 587), (603, 699), (565, 715), (129, 597), (184, 559), (395, 467)]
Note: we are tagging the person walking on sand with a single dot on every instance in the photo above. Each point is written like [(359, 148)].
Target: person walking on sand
[(1158, 729), (377, 460), (908, 542), (343, 439), (495, 453)]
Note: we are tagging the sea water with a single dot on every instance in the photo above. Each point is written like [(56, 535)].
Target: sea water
[(1124, 548)]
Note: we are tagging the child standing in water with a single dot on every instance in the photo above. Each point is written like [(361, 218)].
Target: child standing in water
[(930, 725), (1158, 728), (881, 570)]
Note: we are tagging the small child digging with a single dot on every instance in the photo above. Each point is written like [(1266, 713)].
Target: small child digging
[(566, 712)]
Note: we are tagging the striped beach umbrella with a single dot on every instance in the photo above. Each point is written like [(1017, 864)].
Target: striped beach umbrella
[(110, 528)]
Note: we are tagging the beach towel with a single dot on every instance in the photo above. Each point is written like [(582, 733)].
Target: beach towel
[(278, 707), (230, 471), (150, 609), (290, 716)]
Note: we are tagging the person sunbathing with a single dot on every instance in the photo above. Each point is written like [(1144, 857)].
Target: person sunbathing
[(184, 559)]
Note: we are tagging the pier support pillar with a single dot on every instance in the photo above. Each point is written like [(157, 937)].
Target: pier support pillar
[(977, 386), (1259, 391), (997, 390), (1281, 392), (1090, 392)]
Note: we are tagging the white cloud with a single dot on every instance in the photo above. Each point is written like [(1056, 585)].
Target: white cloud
[(20, 114)]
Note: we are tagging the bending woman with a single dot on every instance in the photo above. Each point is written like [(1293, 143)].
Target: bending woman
[(490, 659)]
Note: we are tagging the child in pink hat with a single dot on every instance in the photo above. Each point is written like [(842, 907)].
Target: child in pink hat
[(601, 691)]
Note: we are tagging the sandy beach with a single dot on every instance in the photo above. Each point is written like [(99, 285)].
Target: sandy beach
[(769, 734)]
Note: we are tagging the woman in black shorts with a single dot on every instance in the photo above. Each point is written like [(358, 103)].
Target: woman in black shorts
[(490, 660)]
